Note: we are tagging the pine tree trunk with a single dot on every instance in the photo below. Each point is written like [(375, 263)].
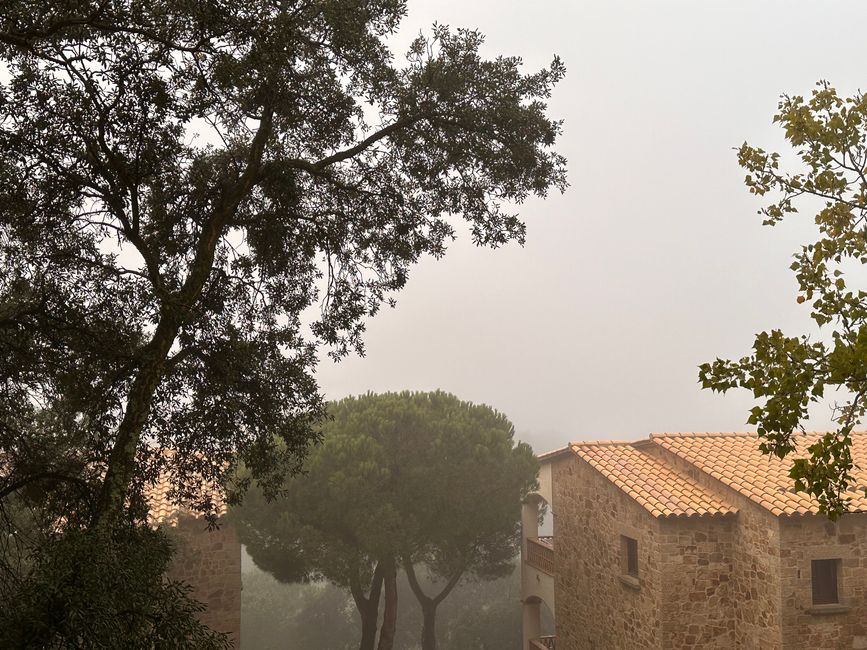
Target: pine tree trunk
[(368, 626), (389, 617), (428, 629), (428, 604), (368, 606)]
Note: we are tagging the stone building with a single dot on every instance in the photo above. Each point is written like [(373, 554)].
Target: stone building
[(208, 560), (691, 541)]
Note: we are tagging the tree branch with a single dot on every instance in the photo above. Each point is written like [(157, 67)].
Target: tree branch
[(173, 316), (408, 566), (26, 39), (44, 475), (451, 584), (340, 156)]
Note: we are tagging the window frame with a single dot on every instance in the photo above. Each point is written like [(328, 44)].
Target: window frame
[(629, 563), (828, 571)]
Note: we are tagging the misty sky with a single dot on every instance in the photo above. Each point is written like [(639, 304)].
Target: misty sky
[(654, 260)]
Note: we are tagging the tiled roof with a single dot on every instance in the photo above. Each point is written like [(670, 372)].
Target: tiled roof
[(163, 509), (735, 460), (658, 487)]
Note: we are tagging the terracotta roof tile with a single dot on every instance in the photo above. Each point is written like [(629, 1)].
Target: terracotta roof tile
[(735, 460), (163, 509), (658, 487)]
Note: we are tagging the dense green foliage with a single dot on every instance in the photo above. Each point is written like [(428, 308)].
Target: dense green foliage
[(423, 479), (179, 182), (124, 601), (788, 373)]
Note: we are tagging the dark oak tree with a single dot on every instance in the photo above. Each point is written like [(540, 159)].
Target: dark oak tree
[(787, 374), (423, 481), (179, 182)]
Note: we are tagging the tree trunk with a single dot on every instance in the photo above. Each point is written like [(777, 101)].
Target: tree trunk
[(121, 462), (428, 604), (369, 614), (389, 616), (174, 311), (368, 606), (428, 628)]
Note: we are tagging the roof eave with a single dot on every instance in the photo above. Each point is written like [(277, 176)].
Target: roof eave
[(549, 456)]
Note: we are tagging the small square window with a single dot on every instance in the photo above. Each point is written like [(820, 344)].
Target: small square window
[(629, 556), (824, 577)]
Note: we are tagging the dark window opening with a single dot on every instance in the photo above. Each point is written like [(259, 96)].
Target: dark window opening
[(824, 577), (629, 555)]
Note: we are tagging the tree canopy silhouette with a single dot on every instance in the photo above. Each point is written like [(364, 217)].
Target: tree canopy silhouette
[(180, 181)]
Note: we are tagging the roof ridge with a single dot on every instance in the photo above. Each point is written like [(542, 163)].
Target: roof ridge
[(597, 443), (703, 434), (732, 434)]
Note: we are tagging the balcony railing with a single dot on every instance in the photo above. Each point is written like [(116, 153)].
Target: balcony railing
[(543, 643), (540, 554)]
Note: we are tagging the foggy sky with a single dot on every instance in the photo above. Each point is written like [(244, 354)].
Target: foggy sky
[(654, 260)]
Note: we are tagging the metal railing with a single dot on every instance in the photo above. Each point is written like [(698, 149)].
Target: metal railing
[(540, 554)]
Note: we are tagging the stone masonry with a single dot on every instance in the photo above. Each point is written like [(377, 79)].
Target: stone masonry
[(724, 550), (210, 562), (808, 538), (594, 609), (695, 557)]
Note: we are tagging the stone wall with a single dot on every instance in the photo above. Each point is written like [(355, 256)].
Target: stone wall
[(595, 608), (814, 538), (741, 582), (697, 607), (755, 577), (210, 561)]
